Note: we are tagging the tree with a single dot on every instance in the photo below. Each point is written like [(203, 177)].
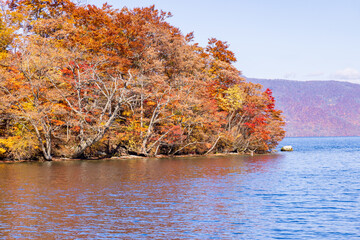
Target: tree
[(6, 31), (257, 126), (28, 93), (165, 79), (94, 99)]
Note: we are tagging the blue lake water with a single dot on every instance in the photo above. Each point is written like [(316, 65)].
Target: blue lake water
[(311, 193)]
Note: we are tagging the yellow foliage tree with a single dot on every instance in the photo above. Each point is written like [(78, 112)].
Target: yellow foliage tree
[(6, 34)]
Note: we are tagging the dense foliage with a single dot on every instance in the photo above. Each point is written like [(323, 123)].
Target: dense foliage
[(82, 81)]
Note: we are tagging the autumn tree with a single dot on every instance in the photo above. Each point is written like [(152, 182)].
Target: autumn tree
[(94, 99), (28, 94), (253, 123), (6, 31)]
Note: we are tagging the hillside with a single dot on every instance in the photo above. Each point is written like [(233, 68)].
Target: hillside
[(317, 108)]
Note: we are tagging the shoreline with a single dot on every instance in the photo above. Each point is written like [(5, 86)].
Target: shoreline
[(134, 157)]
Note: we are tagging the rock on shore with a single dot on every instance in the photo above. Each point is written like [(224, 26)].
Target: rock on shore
[(287, 149)]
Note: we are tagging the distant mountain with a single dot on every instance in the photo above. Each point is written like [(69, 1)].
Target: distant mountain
[(317, 108)]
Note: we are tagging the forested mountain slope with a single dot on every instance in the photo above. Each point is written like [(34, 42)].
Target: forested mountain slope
[(317, 108)]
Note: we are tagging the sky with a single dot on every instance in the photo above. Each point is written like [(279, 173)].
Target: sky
[(273, 39)]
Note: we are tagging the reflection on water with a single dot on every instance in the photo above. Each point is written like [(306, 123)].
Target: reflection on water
[(291, 196)]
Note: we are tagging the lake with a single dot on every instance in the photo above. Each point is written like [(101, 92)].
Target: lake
[(311, 193)]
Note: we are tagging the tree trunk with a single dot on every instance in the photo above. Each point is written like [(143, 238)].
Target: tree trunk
[(85, 144)]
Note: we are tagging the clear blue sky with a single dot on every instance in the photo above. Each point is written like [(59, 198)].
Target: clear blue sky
[(274, 39)]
